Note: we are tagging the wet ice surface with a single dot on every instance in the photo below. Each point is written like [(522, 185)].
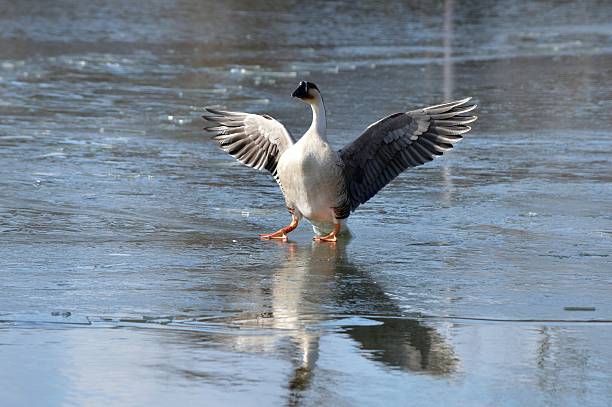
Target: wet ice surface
[(116, 212)]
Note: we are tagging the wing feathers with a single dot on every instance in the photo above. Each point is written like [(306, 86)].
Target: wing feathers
[(453, 113), (254, 140), (399, 141)]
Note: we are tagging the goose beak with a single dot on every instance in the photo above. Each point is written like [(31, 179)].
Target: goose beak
[(301, 91)]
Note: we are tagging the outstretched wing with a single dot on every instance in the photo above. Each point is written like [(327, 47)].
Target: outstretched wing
[(400, 141), (254, 140)]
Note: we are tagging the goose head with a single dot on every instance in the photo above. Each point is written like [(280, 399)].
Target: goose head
[(307, 91)]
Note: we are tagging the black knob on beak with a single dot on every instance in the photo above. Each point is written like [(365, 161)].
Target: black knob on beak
[(301, 91)]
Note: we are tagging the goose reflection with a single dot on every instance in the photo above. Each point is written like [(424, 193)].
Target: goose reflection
[(316, 292), (319, 280)]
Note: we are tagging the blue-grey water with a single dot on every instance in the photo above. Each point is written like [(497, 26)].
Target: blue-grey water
[(130, 269)]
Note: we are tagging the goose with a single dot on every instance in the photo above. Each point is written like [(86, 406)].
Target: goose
[(325, 186)]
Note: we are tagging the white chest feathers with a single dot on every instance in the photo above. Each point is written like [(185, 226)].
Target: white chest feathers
[(311, 175)]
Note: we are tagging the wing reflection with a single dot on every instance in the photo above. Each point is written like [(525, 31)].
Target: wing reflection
[(406, 344)]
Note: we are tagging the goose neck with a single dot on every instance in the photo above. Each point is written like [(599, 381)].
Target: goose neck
[(319, 121)]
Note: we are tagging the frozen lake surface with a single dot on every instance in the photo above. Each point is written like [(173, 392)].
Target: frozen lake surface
[(130, 268)]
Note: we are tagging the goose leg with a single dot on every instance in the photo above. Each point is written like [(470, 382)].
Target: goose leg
[(331, 237), (282, 232)]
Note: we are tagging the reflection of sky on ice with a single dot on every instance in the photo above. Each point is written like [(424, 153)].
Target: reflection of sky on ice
[(295, 350), (99, 366)]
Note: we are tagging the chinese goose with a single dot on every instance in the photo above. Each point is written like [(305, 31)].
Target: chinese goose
[(323, 185)]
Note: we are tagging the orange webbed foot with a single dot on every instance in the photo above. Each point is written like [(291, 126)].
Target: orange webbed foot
[(279, 234), (328, 238), (331, 237)]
